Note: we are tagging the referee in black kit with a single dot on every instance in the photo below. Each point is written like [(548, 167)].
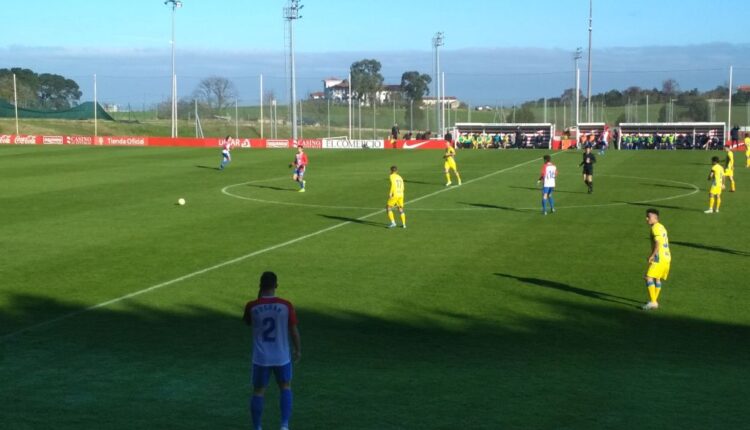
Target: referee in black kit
[(588, 168)]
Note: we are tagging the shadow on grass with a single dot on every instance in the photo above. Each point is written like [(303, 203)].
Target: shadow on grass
[(354, 220), (678, 187), (661, 206), (713, 248), (574, 290), (207, 167), (540, 190), (409, 181), (272, 187), (491, 206), (534, 363)]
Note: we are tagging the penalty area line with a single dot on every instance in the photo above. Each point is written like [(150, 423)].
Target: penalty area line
[(69, 315)]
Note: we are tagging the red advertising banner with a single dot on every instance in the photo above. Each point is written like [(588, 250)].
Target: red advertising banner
[(417, 144), (10, 139)]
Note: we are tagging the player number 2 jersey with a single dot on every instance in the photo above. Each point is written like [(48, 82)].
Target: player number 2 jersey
[(271, 318), (659, 235)]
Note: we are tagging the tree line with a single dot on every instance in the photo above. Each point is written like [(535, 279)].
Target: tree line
[(42, 91)]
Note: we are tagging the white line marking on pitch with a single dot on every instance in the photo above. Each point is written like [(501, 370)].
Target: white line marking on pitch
[(240, 258), (694, 190)]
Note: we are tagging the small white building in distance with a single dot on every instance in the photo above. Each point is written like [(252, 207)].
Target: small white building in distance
[(450, 102)]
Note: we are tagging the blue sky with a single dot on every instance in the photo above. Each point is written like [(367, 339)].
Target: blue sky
[(338, 25), (495, 51)]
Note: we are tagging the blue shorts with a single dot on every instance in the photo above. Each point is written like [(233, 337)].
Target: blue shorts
[(299, 172), (548, 190), (262, 374)]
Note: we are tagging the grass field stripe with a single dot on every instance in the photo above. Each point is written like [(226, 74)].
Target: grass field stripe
[(239, 259)]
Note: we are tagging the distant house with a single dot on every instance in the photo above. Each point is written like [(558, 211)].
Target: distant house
[(112, 108), (336, 89), (318, 96), (744, 88), (450, 102), (389, 93)]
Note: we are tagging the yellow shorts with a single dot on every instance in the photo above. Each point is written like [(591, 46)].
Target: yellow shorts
[(450, 164), (396, 202), (658, 270), (715, 191), (729, 172)]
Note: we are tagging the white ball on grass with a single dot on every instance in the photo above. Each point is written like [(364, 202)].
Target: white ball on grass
[(181, 202)]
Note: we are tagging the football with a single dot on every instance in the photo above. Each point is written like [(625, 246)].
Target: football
[(181, 202)]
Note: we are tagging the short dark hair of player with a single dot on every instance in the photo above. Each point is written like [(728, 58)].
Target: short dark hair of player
[(229, 136), (268, 281), (714, 159), (650, 211), (394, 169), (547, 158)]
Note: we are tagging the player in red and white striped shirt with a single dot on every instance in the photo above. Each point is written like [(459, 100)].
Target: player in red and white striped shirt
[(274, 324), (548, 175), (226, 156)]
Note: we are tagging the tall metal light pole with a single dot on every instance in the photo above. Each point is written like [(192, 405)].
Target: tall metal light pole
[(437, 42), (588, 83), (176, 4), (291, 14), (574, 109)]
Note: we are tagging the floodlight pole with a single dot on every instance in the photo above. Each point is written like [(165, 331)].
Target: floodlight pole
[(577, 55), (437, 42), (291, 14), (729, 116), (588, 83), (175, 5), (261, 106), (578, 95), (350, 105), (96, 102), (15, 101), (442, 105)]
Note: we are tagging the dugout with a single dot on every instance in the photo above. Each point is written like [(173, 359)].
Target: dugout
[(672, 135), (533, 135), (588, 128)]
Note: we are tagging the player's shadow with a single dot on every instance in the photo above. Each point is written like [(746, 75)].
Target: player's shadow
[(661, 206), (679, 187), (545, 283), (491, 206), (420, 182), (539, 189), (354, 220), (271, 187), (207, 167), (713, 248)]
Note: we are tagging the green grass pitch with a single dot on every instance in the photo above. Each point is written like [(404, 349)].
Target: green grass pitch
[(483, 314)]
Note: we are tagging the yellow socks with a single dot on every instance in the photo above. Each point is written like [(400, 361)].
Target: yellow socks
[(458, 177), (391, 217), (403, 218), (657, 291), (718, 202), (652, 294), (731, 184), (447, 178), (711, 202)]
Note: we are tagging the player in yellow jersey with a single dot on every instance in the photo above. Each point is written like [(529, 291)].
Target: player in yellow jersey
[(396, 198), (716, 186), (450, 164), (747, 150), (658, 261), (729, 168)]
